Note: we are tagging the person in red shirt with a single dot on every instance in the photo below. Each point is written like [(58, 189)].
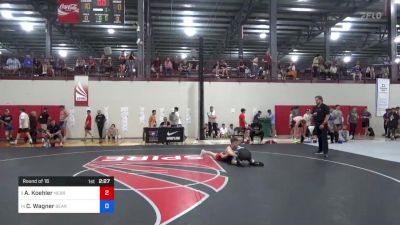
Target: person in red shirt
[(242, 119), (88, 125)]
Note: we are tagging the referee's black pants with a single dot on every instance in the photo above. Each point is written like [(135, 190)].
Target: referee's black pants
[(100, 127), (322, 135)]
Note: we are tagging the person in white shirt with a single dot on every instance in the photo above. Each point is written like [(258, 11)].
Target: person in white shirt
[(333, 72), (308, 117), (223, 131), (370, 72), (23, 126), (212, 122), (174, 118), (231, 130), (255, 69)]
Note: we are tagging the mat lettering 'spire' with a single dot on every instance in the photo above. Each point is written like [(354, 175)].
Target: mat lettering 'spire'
[(169, 199)]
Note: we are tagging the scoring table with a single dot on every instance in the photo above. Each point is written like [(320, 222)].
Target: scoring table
[(65, 194)]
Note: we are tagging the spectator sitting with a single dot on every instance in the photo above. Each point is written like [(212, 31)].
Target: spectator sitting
[(91, 64), (176, 63), (109, 66), (292, 71), (37, 67), (343, 134), (255, 68), (131, 64), (216, 69), (168, 67), (333, 72), (356, 71), (184, 68), (156, 67), (60, 66), (223, 66), (165, 122), (13, 65), (122, 64), (79, 65), (370, 72), (223, 131), (112, 133), (193, 65), (241, 68), (53, 135), (102, 63), (27, 65), (256, 130), (231, 130)]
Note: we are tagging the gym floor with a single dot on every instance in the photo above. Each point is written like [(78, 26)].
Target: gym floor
[(294, 186)]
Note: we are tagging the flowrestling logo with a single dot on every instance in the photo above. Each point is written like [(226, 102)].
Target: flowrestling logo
[(168, 183)]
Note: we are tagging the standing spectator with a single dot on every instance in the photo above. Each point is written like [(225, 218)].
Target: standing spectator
[(7, 124), (153, 119), (100, 121), (13, 65), (271, 116), (242, 120), (366, 116), (317, 61), (393, 123), (267, 63), (64, 114), (168, 67), (88, 125), (54, 134), (165, 122), (23, 127), (131, 64), (212, 122), (255, 68), (33, 126), (27, 65), (337, 115), (44, 120), (223, 131), (321, 117), (156, 67), (257, 117), (174, 118), (385, 121), (352, 119), (122, 64)]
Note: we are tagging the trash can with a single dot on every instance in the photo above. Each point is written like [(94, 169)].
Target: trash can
[(266, 124)]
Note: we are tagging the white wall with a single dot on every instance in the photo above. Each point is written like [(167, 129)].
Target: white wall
[(155, 95)]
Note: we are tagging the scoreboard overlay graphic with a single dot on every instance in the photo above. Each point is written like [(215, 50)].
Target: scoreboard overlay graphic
[(168, 183)]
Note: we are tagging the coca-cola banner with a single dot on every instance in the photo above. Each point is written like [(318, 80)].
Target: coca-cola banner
[(68, 11)]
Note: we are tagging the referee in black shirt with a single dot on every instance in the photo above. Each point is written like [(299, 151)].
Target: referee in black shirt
[(100, 121), (321, 117)]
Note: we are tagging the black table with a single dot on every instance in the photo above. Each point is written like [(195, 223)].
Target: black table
[(163, 134)]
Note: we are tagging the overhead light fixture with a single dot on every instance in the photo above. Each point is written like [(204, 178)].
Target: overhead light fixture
[(28, 12), (26, 26), (62, 44), (183, 56), (7, 14), (62, 53), (1, 53), (397, 60), (124, 46), (188, 21), (347, 59), (301, 9), (294, 58), (335, 36), (397, 1), (190, 31), (263, 35), (187, 13), (397, 39), (346, 26), (295, 50), (111, 31), (187, 5)]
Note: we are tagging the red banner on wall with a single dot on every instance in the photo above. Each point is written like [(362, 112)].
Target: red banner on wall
[(81, 92), (68, 11)]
